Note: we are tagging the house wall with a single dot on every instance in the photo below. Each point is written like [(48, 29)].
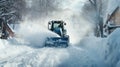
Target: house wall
[(117, 17)]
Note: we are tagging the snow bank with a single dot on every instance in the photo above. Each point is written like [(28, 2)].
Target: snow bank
[(95, 44), (113, 52)]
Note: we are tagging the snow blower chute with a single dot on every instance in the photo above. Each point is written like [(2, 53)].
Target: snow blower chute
[(58, 28)]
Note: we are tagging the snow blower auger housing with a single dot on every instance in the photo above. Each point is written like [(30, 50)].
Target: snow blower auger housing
[(58, 28)]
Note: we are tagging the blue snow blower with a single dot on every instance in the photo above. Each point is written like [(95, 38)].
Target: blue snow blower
[(58, 28)]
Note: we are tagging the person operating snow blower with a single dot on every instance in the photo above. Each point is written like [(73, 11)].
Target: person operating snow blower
[(58, 29)]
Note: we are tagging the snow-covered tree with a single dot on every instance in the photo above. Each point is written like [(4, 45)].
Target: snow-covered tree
[(94, 10), (11, 10)]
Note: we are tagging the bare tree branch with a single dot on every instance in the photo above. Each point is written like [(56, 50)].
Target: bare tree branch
[(93, 2)]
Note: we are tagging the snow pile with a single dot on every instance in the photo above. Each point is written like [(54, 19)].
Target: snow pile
[(113, 52), (95, 45)]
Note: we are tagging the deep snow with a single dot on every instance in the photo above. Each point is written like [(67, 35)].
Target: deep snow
[(26, 50), (113, 52), (73, 56)]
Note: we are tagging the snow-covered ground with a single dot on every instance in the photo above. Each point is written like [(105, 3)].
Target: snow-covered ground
[(28, 51), (73, 56)]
